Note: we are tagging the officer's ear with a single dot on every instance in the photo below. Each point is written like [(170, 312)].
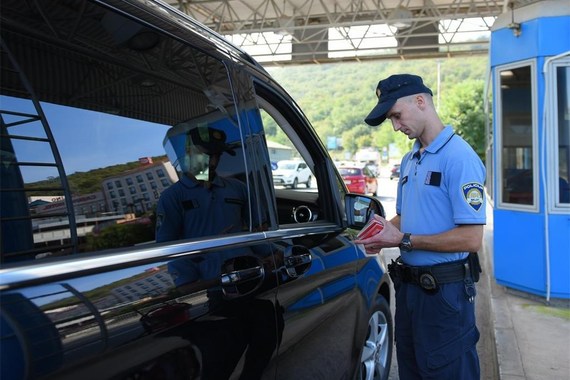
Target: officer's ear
[(420, 101)]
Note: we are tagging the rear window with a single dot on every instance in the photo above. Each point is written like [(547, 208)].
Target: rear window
[(350, 171)]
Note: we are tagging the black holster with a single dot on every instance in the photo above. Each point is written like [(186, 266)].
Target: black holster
[(474, 266), (394, 272)]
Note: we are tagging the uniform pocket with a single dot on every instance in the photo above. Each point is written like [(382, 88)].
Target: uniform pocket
[(453, 350)]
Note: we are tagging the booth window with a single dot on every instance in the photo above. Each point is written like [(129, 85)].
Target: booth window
[(518, 172), (563, 119)]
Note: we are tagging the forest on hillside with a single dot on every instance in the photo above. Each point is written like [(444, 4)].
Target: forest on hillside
[(337, 97)]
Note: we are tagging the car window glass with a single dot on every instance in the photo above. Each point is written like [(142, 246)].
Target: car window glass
[(294, 175), (84, 167)]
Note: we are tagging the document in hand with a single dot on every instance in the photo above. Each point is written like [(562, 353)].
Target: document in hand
[(370, 229)]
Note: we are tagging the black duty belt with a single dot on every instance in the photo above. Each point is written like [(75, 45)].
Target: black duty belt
[(428, 277)]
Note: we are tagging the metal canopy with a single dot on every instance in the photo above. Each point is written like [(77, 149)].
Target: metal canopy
[(314, 31)]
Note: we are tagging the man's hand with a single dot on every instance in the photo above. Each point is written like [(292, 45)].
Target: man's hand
[(390, 236)]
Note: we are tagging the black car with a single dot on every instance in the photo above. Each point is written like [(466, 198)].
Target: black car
[(99, 100), (395, 171)]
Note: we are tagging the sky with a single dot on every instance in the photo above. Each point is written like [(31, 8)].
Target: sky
[(86, 140)]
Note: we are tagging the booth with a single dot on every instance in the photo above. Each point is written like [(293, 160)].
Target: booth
[(529, 156)]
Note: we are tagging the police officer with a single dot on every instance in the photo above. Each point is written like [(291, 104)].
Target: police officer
[(195, 207), (440, 211)]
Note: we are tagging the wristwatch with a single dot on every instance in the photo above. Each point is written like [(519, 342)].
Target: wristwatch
[(406, 243)]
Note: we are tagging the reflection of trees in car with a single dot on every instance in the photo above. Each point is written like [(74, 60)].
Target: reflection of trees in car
[(121, 235)]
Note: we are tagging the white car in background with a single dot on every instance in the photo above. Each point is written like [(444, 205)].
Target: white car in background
[(291, 173)]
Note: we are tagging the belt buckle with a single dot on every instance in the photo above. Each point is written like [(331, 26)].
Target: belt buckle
[(428, 282)]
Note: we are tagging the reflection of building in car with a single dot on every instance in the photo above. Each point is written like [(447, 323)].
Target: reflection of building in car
[(291, 173)]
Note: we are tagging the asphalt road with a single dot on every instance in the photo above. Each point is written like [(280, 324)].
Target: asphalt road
[(486, 346)]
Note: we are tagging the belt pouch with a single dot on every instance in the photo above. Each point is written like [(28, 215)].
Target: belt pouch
[(474, 266)]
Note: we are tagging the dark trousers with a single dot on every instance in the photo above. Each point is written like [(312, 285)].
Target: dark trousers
[(436, 335)]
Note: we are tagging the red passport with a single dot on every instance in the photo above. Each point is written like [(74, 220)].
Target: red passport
[(370, 229)]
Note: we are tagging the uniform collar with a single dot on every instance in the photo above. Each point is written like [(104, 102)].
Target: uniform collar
[(191, 183), (441, 139)]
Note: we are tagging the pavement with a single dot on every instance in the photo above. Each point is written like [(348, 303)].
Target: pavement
[(532, 342)]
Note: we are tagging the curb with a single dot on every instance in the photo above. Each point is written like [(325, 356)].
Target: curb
[(508, 356)]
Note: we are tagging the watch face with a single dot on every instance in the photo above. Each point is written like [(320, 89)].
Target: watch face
[(406, 243)]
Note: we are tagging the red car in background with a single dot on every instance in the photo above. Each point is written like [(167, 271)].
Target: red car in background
[(359, 179)]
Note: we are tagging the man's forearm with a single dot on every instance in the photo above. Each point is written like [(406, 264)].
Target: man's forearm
[(465, 238)]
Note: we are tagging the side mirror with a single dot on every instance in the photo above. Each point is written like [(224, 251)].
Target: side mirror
[(360, 208)]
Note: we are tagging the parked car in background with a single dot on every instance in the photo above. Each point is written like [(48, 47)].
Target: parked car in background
[(291, 173), (86, 291), (359, 179), (395, 171), (373, 169)]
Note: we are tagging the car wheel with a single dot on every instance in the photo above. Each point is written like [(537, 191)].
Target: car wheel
[(377, 348), (308, 182), (295, 183)]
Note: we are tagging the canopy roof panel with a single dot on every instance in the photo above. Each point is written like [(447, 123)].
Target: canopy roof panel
[(306, 31)]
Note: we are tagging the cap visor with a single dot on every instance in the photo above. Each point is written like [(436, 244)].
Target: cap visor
[(378, 114)]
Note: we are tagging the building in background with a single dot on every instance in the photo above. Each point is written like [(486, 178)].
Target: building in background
[(138, 190)]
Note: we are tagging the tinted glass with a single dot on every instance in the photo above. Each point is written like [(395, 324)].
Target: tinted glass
[(83, 168)]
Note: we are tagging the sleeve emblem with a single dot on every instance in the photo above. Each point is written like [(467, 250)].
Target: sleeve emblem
[(473, 194)]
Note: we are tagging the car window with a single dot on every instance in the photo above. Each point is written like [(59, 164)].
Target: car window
[(298, 196), (84, 167)]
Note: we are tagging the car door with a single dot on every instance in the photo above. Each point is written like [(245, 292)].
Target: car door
[(316, 264), (95, 134)]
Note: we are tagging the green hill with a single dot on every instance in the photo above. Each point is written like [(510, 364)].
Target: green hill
[(336, 97)]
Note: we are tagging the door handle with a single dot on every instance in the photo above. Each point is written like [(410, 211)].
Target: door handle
[(243, 275), (297, 261)]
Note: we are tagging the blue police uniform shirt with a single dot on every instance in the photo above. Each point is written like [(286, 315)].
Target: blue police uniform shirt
[(438, 190), (188, 209)]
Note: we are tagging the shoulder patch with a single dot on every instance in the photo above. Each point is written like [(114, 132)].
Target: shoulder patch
[(473, 195), (159, 220)]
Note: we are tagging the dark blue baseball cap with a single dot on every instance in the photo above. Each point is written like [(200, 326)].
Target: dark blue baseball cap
[(390, 90)]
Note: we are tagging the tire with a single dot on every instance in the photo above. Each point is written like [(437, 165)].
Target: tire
[(295, 183), (378, 346), (308, 183)]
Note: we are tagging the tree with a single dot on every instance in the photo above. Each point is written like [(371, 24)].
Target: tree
[(464, 110), (121, 235)]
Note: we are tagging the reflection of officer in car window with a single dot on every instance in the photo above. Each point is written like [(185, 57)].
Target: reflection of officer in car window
[(201, 203)]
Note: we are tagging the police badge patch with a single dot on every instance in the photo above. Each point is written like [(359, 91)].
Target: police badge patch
[(473, 194)]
